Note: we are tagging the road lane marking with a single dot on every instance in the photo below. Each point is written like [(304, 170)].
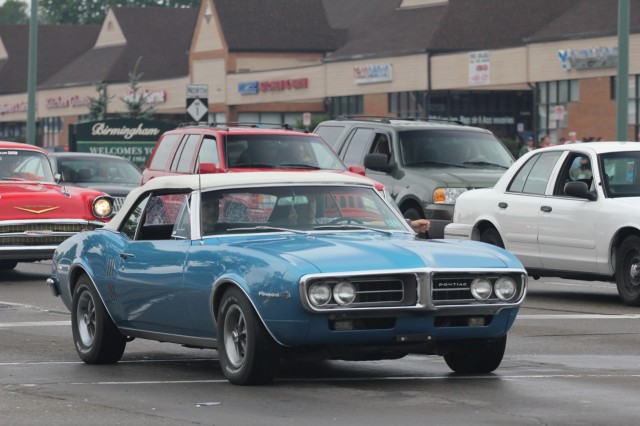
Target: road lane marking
[(578, 316), (35, 324)]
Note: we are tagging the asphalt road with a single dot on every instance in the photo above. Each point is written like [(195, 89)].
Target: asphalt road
[(572, 359)]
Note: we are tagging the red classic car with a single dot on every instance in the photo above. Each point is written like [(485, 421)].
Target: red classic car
[(36, 213)]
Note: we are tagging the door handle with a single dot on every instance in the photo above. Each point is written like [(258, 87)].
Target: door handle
[(503, 205), (126, 256), (546, 209)]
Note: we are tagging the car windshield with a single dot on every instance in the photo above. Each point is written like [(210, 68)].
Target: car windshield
[(621, 173), (297, 208), (281, 151), (99, 170), (458, 148), (23, 165)]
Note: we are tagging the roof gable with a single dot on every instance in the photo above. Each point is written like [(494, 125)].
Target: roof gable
[(110, 33)]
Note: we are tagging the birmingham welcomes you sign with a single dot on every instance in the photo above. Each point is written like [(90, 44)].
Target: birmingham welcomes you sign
[(131, 139)]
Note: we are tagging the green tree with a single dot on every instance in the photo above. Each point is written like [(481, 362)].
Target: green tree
[(73, 12), (98, 106), (14, 12), (136, 99)]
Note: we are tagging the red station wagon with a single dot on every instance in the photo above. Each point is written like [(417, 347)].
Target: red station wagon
[(37, 213)]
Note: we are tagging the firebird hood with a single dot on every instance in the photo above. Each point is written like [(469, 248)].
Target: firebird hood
[(25, 200), (337, 252)]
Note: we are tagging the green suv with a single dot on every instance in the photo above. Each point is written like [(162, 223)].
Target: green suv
[(424, 165)]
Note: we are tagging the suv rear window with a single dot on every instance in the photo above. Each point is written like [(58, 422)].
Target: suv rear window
[(330, 134), (163, 151)]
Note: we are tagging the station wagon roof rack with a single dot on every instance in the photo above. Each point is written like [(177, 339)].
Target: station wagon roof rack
[(388, 120)]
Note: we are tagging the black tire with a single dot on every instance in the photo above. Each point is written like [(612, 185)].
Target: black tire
[(476, 356), (7, 265), (96, 337), (491, 236), (248, 355), (628, 271)]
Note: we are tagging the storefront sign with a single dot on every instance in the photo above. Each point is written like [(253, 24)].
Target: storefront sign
[(248, 87), (150, 97), (73, 102), (365, 74), (13, 108), (479, 68), (595, 57), (255, 87), (477, 120)]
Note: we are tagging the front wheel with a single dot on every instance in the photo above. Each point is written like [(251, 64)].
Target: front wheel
[(96, 337), (476, 356), (628, 271), (248, 355), (491, 236)]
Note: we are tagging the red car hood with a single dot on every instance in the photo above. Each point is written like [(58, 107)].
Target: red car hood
[(29, 200)]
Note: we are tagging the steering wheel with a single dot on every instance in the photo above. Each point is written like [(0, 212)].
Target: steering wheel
[(348, 220)]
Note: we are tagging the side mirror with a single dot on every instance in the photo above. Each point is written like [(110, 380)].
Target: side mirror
[(379, 162), (207, 168), (57, 177), (579, 189)]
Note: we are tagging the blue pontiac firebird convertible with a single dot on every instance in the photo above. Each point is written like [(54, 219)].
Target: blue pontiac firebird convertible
[(267, 265)]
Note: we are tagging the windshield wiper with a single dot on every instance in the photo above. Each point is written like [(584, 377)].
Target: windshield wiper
[(255, 165), (433, 163), (299, 166), (351, 227), (485, 163), (264, 229)]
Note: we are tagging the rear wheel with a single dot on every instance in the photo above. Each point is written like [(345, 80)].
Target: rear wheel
[(491, 236), (628, 271), (476, 356), (96, 337), (248, 355)]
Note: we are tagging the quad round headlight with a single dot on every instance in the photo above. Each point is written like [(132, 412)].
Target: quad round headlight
[(344, 293), (505, 288), (481, 288), (319, 293), (102, 207)]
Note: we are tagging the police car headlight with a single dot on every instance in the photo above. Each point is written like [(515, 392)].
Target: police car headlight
[(102, 207), (344, 293), (505, 288), (319, 294), (481, 288)]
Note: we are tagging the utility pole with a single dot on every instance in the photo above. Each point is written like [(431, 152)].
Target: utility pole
[(32, 73), (622, 83)]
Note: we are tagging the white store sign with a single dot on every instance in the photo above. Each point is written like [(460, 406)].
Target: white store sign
[(479, 68)]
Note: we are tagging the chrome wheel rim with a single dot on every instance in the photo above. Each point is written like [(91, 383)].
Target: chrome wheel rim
[(235, 336), (86, 319)]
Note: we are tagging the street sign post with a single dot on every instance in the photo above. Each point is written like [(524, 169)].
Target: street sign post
[(197, 101)]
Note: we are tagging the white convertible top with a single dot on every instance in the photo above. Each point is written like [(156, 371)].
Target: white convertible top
[(226, 180)]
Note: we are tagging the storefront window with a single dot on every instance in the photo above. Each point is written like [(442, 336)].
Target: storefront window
[(408, 104), (550, 95), (346, 105)]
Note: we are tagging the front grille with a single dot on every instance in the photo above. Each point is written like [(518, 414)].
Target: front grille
[(376, 291), (117, 203), (40, 233), (455, 288)]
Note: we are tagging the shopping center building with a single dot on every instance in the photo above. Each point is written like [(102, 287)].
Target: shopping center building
[(516, 67)]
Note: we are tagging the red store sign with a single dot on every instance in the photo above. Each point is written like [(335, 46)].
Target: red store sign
[(280, 85)]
